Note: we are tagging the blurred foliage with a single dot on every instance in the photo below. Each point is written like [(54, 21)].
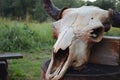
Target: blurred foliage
[(39, 12), (68, 3), (16, 36), (33, 9), (104, 4), (113, 32)]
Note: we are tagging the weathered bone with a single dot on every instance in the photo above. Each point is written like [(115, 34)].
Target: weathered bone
[(77, 31), (76, 35)]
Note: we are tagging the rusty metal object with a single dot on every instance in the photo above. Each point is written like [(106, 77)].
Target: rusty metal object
[(106, 52), (89, 72)]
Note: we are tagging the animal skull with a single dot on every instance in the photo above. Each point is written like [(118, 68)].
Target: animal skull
[(76, 30)]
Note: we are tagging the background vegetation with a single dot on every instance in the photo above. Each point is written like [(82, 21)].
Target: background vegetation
[(23, 36), (33, 9), (26, 28)]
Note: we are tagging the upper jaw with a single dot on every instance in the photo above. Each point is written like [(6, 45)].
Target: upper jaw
[(57, 64)]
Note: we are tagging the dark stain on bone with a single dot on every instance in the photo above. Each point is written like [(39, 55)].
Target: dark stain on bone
[(92, 18)]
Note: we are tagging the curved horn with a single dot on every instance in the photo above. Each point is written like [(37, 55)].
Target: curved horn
[(115, 18), (53, 11)]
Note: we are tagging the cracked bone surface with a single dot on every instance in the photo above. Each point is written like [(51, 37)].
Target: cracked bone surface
[(76, 32)]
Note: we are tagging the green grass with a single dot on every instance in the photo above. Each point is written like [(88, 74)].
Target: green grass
[(29, 67), (113, 32)]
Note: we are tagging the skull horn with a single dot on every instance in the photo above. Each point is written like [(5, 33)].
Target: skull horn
[(53, 11), (115, 18)]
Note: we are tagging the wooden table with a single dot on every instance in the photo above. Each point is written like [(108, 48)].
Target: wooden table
[(89, 72), (5, 56), (4, 64)]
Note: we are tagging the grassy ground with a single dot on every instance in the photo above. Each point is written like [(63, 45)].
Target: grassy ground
[(28, 68)]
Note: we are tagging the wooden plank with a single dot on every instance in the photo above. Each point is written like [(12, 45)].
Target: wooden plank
[(89, 72), (4, 56), (106, 52)]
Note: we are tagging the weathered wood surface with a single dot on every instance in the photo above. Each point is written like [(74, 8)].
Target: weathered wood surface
[(89, 72), (106, 52), (5, 56)]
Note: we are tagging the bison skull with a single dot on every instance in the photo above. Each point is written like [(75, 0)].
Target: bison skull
[(76, 30)]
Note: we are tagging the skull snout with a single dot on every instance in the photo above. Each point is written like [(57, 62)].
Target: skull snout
[(58, 65)]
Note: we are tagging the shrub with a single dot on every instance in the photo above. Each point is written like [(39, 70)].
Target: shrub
[(15, 37), (23, 37)]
